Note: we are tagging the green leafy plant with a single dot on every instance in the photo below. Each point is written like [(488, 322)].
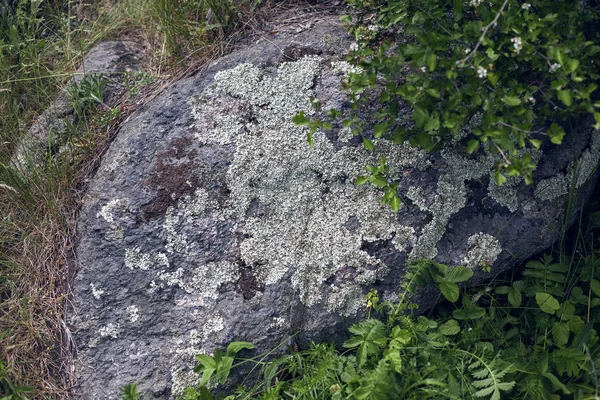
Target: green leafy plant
[(504, 75), (219, 364), (534, 338), (130, 392)]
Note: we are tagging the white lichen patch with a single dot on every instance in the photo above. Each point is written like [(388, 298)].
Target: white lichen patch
[(450, 198), (559, 185), (416, 195), (505, 195), (96, 291), (309, 192), (133, 313), (207, 278), (109, 330), (483, 249), (188, 208), (135, 258), (278, 323), (212, 326), (181, 380), (108, 212)]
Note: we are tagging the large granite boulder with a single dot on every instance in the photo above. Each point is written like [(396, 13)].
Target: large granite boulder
[(211, 219)]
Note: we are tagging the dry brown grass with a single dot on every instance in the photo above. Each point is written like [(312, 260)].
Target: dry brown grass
[(38, 209)]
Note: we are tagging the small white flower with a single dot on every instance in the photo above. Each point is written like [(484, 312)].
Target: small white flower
[(531, 99), (354, 46), (470, 329), (554, 67), (474, 3), (467, 51), (373, 28), (525, 6), (517, 43), (423, 69), (481, 72)]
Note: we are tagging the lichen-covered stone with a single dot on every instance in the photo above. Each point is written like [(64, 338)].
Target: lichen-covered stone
[(212, 220)]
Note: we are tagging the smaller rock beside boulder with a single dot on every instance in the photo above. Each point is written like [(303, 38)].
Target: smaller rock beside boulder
[(109, 60)]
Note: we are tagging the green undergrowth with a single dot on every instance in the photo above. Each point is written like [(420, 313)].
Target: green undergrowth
[(529, 334)]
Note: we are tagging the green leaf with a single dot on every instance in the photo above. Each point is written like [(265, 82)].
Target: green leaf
[(361, 180), (378, 181), (493, 78), (224, 368), (395, 203), (595, 286), (573, 65), (469, 310), (597, 118), (450, 328), (234, 347), (472, 145), (431, 62), (300, 119), (511, 100), (420, 115), (556, 133), (450, 291), (379, 129), (566, 96), (370, 336), (547, 302), (560, 333), (459, 274), (499, 178), (433, 92), (368, 144), (535, 143), (514, 297)]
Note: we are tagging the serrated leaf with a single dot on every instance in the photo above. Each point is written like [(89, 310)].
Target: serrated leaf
[(450, 291), (379, 129), (566, 96), (368, 144), (535, 143), (560, 333), (499, 178), (511, 100), (573, 65), (450, 328), (459, 274), (433, 92), (300, 119), (547, 302), (556, 133), (493, 78), (378, 181), (420, 115)]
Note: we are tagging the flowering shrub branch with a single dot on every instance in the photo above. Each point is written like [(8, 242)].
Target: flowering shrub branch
[(503, 75)]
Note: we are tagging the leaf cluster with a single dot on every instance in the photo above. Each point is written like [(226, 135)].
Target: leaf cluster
[(505, 76), (533, 338)]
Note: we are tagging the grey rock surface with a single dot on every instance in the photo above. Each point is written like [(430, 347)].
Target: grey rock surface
[(50, 131), (211, 220)]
